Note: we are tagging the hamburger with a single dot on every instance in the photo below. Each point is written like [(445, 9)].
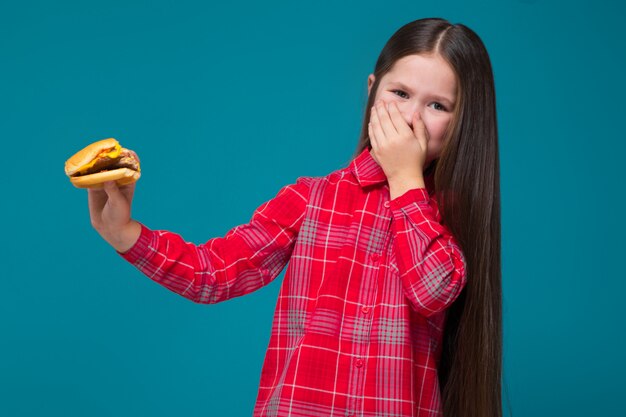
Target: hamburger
[(104, 160)]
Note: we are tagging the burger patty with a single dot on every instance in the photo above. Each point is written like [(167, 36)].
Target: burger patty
[(124, 160)]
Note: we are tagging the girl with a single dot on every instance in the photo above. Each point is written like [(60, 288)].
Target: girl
[(391, 301)]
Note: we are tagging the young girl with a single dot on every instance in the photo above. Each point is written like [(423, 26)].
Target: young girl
[(391, 301)]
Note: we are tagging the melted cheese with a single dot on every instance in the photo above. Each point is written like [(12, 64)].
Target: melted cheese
[(112, 153)]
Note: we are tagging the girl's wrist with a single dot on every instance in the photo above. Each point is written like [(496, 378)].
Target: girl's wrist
[(399, 186), (126, 237)]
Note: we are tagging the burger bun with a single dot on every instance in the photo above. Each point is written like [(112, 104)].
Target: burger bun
[(121, 176), (87, 154)]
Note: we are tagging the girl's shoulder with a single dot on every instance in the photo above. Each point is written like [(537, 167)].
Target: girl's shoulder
[(333, 177)]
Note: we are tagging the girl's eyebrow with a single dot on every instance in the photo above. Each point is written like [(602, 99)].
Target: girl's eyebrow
[(436, 96)]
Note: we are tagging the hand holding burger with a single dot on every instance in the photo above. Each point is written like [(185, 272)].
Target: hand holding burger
[(110, 190)]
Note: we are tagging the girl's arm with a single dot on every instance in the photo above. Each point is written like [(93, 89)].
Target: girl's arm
[(248, 257), (430, 262)]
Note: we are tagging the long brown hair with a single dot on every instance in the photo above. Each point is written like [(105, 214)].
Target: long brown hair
[(467, 186)]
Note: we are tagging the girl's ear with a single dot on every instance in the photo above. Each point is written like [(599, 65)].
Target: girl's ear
[(370, 81)]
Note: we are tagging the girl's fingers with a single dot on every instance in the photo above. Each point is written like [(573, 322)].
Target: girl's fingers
[(385, 121), (376, 127), (96, 199), (114, 193), (128, 190), (373, 140), (398, 120), (419, 128)]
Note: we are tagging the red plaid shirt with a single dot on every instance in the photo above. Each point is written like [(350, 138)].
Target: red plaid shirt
[(359, 319)]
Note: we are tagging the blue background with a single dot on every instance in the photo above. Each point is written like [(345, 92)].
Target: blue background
[(226, 104)]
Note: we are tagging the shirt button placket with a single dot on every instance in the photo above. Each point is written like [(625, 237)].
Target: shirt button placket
[(375, 257)]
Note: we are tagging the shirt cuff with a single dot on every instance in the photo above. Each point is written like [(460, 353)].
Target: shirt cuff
[(141, 247), (414, 195)]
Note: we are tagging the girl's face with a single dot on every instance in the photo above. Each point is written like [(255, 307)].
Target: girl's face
[(424, 84)]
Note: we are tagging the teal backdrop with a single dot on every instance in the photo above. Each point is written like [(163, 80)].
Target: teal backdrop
[(225, 104)]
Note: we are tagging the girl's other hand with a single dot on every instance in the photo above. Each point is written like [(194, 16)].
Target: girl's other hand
[(399, 150)]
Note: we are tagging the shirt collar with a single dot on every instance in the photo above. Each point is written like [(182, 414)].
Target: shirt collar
[(368, 172)]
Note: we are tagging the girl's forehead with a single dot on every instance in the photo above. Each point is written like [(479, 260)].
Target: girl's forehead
[(419, 71), (413, 65)]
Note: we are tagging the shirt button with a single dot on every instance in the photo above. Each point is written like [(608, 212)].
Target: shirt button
[(374, 257), (386, 204), (359, 363), (365, 309)]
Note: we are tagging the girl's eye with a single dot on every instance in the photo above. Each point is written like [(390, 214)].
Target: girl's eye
[(442, 107), (399, 91)]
